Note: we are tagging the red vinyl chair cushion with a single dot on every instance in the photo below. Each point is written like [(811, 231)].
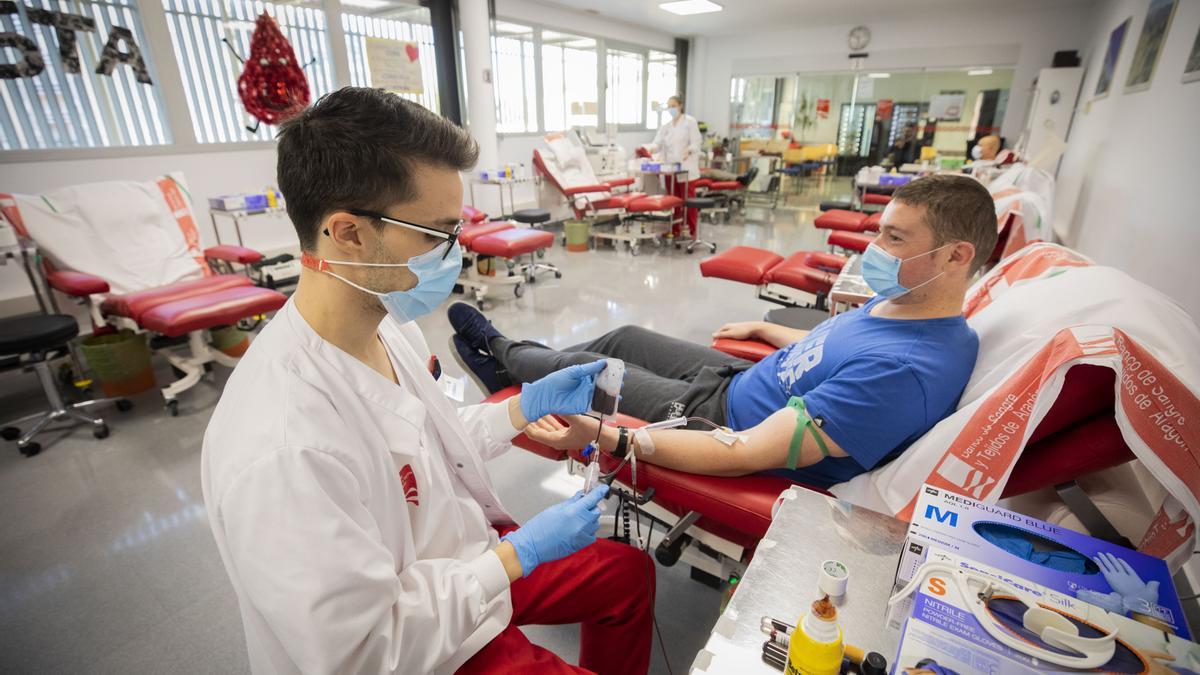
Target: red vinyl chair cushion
[(133, 305), (216, 308), (643, 204), (474, 231), (879, 200), (746, 264), (751, 350), (871, 224), (76, 284), (725, 185), (705, 183), (619, 182), (839, 219), (830, 262), (795, 272), (851, 241), (473, 215), (514, 242), (233, 254)]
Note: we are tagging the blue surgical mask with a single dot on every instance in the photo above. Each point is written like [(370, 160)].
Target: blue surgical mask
[(881, 271), (435, 272), (672, 112)]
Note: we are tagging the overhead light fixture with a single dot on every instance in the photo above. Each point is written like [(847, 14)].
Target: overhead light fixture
[(980, 71), (368, 4), (686, 7), (879, 76)]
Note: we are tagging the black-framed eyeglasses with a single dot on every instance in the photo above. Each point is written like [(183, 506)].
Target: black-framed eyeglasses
[(450, 237)]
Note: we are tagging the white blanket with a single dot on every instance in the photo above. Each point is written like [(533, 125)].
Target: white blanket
[(1026, 195), (134, 235), (1038, 313)]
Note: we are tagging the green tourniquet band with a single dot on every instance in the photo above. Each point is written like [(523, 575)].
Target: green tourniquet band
[(803, 421)]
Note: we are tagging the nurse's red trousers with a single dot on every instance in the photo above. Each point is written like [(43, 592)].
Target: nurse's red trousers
[(606, 587)]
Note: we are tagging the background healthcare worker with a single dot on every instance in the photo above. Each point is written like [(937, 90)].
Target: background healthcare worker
[(678, 140), (347, 495)]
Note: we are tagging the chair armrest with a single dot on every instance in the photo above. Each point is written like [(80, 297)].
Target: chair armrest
[(233, 254), (751, 350), (619, 182), (76, 284), (580, 189)]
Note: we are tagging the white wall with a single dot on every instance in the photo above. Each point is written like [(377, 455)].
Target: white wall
[(980, 34), (1127, 182)]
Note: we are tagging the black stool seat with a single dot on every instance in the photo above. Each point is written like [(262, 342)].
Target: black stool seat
[(838, 205), (531, 216), (699, 202), (25, 334), (800, 318)]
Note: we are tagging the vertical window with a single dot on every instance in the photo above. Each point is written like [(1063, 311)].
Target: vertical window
[(661, 84), (513, 78), (59, 109), (210, 71), (623, 96), (569, 81), (412, 25)]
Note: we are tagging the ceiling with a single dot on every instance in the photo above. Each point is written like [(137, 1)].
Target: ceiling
[(744, 16)]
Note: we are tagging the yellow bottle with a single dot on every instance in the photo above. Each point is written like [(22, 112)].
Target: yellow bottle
[(816, 644)]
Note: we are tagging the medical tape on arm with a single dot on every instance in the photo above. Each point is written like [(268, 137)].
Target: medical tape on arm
[(803, 422)]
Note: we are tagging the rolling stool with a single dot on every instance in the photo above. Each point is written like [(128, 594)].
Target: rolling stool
[(40, 337), (533, 218), (698, 203)]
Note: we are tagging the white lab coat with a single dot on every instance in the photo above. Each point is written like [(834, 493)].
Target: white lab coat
[(676, 137), (334, 569)]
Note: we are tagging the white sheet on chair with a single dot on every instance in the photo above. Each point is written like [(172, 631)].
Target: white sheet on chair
[(122, 231), (1028, 194), (1038, 313), (567, 162)]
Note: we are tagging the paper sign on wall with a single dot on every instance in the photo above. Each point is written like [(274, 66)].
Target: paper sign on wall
[(946, 106), (822, 108), (395, 65)]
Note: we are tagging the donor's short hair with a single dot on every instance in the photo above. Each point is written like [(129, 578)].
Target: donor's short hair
[(957, 208), (356, 148)]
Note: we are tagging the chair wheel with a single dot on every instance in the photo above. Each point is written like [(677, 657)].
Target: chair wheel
[(479, 305), (557, 274), (100, 431), (541, 253), (31, 449), (519, 290), (10, 433), (124, 405), (173, 407), (634, 251), (690, 250)]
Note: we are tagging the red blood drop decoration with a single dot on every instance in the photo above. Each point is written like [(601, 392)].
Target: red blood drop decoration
[(272, 86)]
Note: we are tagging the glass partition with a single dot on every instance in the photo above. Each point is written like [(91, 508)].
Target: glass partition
[(873, 117)]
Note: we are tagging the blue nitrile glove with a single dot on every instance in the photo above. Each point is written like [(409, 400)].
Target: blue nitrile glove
[(563, 392), (558, 531), (1121, 577), (1110, 602)]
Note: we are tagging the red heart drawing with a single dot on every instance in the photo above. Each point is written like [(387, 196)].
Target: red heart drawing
[(413, 54)]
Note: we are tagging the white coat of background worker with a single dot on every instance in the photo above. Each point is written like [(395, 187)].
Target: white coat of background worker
[(678, 140), (347, 495)]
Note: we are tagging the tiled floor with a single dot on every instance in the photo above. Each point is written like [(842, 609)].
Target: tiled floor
[(107, 563)]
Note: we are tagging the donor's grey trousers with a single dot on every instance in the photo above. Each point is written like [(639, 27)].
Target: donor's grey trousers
[(665, 377)]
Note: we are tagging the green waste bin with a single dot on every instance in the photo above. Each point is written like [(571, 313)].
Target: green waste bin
[(120, 362), (231, 340), (577, 234)]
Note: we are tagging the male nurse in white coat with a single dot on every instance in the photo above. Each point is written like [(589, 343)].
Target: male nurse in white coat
[(678, 140), (347, 495)]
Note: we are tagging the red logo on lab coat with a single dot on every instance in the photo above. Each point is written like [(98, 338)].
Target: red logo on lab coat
[(409, 480)]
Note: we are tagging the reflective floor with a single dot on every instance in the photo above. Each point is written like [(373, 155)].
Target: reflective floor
[(107, 563)]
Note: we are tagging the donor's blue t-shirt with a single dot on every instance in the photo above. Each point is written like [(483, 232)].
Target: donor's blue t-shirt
[(874, 384)]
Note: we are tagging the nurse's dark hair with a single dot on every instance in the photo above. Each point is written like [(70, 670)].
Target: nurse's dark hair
[(957, 208), (356, 148)]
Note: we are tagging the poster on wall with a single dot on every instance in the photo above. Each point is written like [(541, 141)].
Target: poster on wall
[(883, 109), (1191, 71), (822, 108), (1116, 40), (395, 65), (947, 105), (1150, 45)]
